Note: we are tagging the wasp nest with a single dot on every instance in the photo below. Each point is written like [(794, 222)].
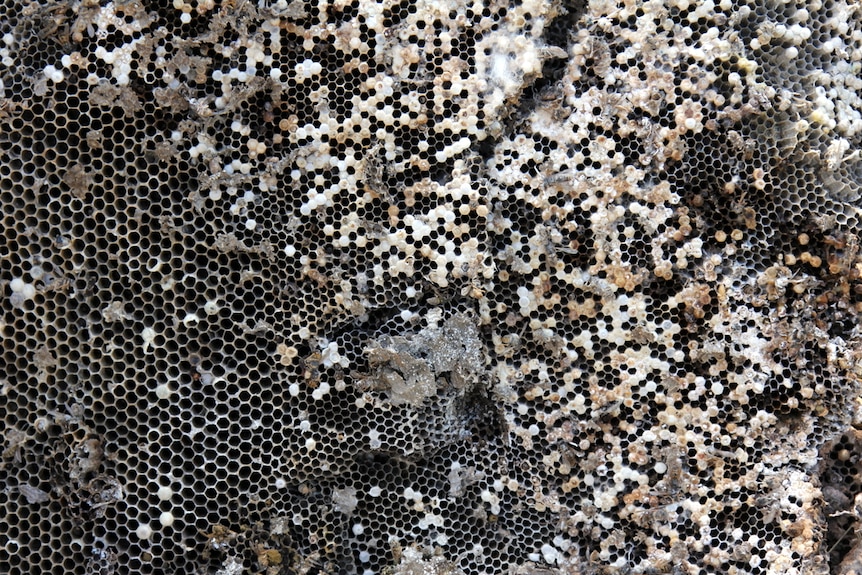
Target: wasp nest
[(467, 287)]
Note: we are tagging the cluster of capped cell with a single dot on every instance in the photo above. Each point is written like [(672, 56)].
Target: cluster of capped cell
[(475, 288), (710, 205), (316, 135)]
